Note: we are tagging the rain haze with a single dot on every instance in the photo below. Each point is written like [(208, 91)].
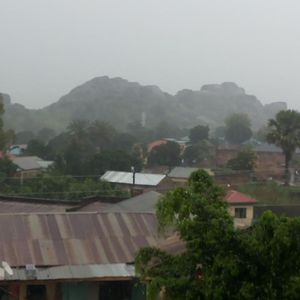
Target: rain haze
[(49, 47)]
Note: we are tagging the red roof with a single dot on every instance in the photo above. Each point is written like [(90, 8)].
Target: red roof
[(234, 197), (155, 144)]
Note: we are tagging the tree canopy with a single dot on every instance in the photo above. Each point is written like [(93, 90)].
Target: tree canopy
[(238, 128), (199, 133), (221, 262), (285, 133), (245, 160), (166, 154)]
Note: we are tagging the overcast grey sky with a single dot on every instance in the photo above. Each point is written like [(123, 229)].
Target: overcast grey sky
[(50, 46)]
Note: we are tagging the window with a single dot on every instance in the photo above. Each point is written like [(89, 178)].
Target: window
[(36, 292), (240, 212)]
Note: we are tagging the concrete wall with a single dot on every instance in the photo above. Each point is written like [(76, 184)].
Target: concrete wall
[(241, 222)]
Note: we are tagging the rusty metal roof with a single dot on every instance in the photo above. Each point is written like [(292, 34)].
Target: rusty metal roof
[(27, 207), (52, 239)]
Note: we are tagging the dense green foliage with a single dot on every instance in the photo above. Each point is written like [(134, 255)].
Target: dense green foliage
[(238, 128), (285, 133), (199, 133), (58, 186), (120, 103), (219, 262), (245, 160), (166, 154), (198, 152)]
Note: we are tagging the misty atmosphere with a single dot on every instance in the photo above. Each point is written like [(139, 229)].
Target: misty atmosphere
[(149, 150)]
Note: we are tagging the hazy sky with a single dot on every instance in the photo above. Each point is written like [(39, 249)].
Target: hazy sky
[(47, 47)]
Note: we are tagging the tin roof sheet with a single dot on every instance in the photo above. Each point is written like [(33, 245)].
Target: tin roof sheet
[(76, 272), (52, 239), (127, 178), (235, 197)]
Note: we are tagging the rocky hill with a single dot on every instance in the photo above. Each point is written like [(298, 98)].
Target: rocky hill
[(121, 102)]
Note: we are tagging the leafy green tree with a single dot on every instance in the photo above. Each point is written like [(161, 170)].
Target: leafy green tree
[(189, 210), (6, 137), (123, 141), (196, 153), (285, 133), (199, 133), (23, 137), (245, 160), (37, 148), (220, 262), (166, 155), (46, 134), (101, 135), (238, 128), (7, 169), (113, 160)]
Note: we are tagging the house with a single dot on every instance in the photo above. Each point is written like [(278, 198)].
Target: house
[(17, 150), (74, 256), (30, 165), (240, 208), (138, 181), (181, 175), (269, 158)]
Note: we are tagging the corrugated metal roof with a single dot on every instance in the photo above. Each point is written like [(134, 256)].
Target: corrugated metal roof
[(76, 272), (10, 206), (235, 197), (75, 238), (31, 163), (127, 178), (145, 202), (185, 172)]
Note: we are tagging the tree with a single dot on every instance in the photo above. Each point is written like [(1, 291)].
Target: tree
[(285, 133), (23, 137), (165, 155), (101, 135), (220, 262), (116, 160), (46, 134), (37, 148), (245, 160), (199, 133), (238, 128), (196, 153), (6, 137), (189, 210)]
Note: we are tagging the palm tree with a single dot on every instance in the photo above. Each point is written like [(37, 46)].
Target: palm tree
[(285, 133)]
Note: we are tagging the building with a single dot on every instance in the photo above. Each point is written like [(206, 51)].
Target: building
[(17, 150), (74, 256), (240, 208), (28, 166), (269, 159), (138, 181), (181, 175)]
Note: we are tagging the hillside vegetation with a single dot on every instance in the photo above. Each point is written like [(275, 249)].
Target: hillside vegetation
[(121, 102)]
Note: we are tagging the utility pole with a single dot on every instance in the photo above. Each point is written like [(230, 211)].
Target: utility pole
[(133, 180)]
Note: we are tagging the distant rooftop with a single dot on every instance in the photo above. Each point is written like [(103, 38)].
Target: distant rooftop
[(185, 172), (235, 197), (127, 178), (31, 163)]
